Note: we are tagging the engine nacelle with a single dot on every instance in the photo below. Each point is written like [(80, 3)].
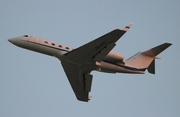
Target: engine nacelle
[(114, 57)]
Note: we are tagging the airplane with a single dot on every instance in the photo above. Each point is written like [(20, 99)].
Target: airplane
[(95, 55)]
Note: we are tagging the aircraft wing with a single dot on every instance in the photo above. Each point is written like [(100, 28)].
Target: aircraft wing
[(97, 49), (78, 63), (79, 78)]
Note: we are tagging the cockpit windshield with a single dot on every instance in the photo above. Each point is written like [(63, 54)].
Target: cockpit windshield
[(25, 35)]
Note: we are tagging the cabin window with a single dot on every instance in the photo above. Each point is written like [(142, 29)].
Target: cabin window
[(60, 46), (53, 44), (25, 35), (67, 48), (46, 42)]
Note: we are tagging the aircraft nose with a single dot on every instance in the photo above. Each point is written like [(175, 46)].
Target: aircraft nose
[(14, 41), (18, 41), (11, 40)]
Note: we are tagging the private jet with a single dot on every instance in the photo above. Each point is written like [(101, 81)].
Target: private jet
[(95, 55)]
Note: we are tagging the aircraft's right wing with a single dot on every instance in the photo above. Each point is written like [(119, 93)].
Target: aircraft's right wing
[(80, 79)]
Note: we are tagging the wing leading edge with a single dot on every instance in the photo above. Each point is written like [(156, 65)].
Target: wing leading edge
[(80, 62)]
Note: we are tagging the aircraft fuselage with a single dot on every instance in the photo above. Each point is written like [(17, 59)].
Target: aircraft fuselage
[(58, 51)]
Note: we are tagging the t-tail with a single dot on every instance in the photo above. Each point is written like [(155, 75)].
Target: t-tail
[(147, 58)]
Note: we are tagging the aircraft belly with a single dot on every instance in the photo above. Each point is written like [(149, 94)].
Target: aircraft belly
[(41, 49), (111, 68)]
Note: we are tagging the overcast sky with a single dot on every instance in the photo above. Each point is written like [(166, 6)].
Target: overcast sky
[(35, 85)]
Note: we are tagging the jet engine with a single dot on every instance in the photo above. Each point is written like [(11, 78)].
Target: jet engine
[(114, 57)]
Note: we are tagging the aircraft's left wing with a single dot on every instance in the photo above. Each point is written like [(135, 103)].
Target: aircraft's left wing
[(97, 49)]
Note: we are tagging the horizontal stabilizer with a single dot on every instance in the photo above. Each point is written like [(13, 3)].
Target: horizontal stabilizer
[(156, 50), (146, 59)]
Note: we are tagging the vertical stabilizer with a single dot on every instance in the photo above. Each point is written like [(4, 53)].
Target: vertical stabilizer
[(146, 59), (151, 67)]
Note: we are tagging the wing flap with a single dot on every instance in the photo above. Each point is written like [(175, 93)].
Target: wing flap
[(104, 52), (88, 82)]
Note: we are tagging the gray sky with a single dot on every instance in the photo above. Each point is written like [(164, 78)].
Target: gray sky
[(34, 85)]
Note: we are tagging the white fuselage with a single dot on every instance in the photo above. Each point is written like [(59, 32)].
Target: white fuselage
[(58, 51)]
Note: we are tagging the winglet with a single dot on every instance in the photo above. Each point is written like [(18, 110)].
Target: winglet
[(90, 97), (127, 27)]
